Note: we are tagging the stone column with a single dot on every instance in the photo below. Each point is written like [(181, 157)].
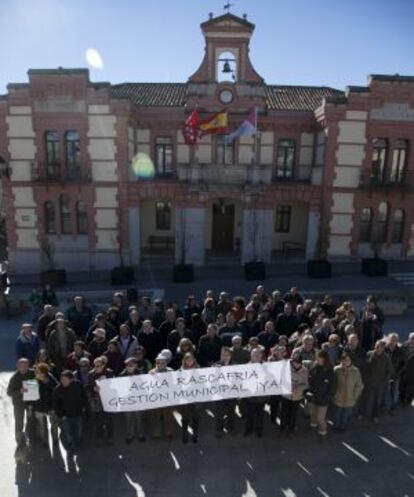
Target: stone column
[(314, 218), (190, 235), (257, 235), (134, 231)]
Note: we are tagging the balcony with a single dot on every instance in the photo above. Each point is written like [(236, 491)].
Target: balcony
[(220, 174), (371, 181), (42, 173)]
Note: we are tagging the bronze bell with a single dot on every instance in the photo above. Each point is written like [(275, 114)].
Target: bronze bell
[(226, 67)]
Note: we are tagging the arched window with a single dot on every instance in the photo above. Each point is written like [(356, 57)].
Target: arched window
[(72, 145), (52, 154), (399, 160), (81, 218), (379, 158), (50, 219), (398, 226), (365, 225), (382, 222), (65, 221), (226, 67)]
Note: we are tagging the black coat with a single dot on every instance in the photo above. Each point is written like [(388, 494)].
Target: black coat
[(152, 344), (80, 320), (16, 384), (268, 340), (46, 389), (69, 401), (321, 385), (286, 325), (209, 350)]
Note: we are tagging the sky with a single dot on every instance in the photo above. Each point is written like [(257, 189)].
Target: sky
[(301, 42)]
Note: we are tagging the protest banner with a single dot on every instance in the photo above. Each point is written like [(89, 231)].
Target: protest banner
[(152, 391)]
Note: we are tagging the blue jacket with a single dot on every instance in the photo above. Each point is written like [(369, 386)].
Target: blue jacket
[(28, 348)]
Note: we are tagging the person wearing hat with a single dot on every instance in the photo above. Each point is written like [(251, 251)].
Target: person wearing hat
[(27, 344), (135, 421), (290, 402), (99, 344), (163, 416)]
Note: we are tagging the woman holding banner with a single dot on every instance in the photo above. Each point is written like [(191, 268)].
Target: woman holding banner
[(190, 413)]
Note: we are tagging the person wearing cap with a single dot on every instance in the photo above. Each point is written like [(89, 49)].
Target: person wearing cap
[(162, 418), (190, 413), (27, 343), (150, 339), (135, 421), (254, 406), (15, 391), (102, 420), (99, 344), (290, 402), (60, 343), (224, 410)]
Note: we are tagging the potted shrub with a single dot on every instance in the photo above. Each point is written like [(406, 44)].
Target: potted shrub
[(182, 271), (256, 268), (320, 267), (375, 266), (51, 276)]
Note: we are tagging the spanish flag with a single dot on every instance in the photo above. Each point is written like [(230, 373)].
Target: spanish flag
[(216, 124)]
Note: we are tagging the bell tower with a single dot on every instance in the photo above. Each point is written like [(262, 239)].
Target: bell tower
[(226, 77), (226, 58)]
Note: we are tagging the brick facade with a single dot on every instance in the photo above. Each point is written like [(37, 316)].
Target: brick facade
[(262, 204)]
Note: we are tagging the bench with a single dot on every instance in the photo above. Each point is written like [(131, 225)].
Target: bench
[(161, 241)]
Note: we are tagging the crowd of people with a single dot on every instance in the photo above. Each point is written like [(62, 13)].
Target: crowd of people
[(343, 366)]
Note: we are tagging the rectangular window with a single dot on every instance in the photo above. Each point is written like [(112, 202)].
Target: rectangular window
[(52, 154), (283, 217), (224, 150), (399, 158), (164, 155), (163, 216), (285, 159), (72, 143), (379, 157)]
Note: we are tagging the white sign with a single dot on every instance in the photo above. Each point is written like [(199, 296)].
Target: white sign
[(151, 391), (31, 390)]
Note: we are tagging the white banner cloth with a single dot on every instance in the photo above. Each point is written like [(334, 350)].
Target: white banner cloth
[(151, 391)]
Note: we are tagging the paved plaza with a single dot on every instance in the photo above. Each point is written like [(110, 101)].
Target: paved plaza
[(370, 460)]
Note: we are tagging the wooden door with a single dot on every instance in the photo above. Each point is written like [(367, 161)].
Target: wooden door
[(223, 227)]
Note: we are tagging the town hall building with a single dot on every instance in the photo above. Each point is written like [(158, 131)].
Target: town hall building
[(95, 174)]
